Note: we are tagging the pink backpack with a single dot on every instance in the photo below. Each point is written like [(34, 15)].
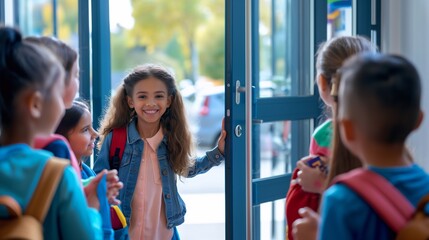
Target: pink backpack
[(389, 203), (44, 141)]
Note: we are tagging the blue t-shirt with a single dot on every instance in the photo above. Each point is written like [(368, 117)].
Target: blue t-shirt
[(87, 172), (344, 215), (68, 217)]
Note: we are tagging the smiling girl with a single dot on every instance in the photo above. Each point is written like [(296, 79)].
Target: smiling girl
[(158, 148)]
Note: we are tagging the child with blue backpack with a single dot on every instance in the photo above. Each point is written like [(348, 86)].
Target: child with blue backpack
[(57, 143), (31, 87), (76, 127)]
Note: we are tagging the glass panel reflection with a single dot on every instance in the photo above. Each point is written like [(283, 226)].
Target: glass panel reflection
[(282, 32), (35, 17), (280, 144)]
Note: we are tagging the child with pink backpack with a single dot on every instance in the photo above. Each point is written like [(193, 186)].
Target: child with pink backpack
[(379, 107)]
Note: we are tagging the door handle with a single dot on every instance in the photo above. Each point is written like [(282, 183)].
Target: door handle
[(238, 89)]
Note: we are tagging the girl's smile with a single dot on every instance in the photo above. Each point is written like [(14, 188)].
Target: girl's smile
[(150, 100)]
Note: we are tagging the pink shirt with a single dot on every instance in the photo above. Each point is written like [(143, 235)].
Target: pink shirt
[(147, 206)]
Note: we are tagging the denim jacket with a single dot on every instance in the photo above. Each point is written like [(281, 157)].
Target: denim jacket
[(175, 208)]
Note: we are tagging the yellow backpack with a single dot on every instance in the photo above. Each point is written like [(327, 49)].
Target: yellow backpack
[(30, 224)]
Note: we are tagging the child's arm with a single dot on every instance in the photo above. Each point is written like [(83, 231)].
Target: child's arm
[(306, 227), (112, 182), (203, 164), (212, 158), (70, 213), (113, 187)]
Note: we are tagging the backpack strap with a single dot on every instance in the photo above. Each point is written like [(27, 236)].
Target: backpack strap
[(46, 188), (117, 146), (386, 200)]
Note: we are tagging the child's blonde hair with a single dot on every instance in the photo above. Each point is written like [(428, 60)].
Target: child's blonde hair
[(332, 54), (174, 122)]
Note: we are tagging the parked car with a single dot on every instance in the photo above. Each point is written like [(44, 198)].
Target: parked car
[(206, 115)]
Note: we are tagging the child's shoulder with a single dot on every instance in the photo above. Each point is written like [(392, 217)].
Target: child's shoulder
[(23, 151), (343, 200), (340, 193), (321, 139), (323, 129)]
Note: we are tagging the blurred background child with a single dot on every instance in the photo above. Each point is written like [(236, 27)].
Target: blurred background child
[(31, 88), (307, 182), (76, 127)]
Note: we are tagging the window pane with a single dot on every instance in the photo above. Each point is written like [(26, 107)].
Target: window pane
[(35, 17), (67, 22), (281, 145), (272, 220), (284, 48)]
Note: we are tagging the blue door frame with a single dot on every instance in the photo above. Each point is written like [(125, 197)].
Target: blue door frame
[(235, 180)]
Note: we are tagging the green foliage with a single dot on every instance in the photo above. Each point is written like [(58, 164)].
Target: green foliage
[(212, 50), (173, 49), (172, 27), (67, 19), (125, 58)]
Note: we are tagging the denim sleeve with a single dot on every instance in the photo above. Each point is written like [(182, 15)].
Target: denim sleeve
[(102, 161), (69, 216), (205, 163)]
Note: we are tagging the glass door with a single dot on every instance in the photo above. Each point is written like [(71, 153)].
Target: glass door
[(271, 107), (272, 104)]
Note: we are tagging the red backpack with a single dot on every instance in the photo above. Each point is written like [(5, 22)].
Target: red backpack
[(389, 203), (117, 146), (116, 151)]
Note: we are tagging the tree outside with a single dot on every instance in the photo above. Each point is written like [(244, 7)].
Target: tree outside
[(187, 35)]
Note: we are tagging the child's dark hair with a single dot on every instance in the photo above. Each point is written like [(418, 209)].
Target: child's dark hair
[(23, 66), (65, 54), (381, 93), (72, 117), (174, 122)]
